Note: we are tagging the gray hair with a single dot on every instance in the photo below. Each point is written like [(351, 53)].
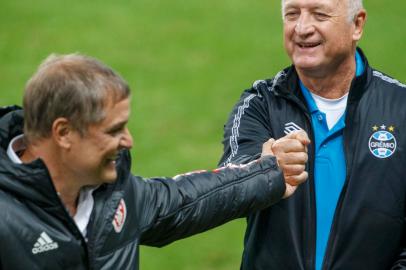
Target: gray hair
[(73, 86), (354, 6)]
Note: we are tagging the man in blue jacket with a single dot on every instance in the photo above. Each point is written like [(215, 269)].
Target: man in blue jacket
[(351, 212)]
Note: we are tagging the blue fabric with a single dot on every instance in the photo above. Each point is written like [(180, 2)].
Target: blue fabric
[(329, 168), (360, 64)]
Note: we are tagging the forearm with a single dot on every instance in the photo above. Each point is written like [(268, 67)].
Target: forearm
[(210, 199)]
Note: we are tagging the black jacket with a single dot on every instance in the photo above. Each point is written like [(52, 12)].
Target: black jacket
[(368, 230), (38, 233)]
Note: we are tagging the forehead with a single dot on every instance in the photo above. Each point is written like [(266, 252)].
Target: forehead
[(118, 108), (313, 4), (115, 112)]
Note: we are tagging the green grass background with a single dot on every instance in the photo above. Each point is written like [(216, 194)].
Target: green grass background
[(187, 63)]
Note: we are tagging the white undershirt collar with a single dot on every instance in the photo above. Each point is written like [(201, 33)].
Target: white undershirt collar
[(332, 108), (85, 201)]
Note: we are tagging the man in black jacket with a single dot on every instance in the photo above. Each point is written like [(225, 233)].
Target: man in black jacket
[(351, 212), (67, 197)]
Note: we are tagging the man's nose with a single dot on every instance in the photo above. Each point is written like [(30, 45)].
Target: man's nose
[(126, 140), (304, 25)]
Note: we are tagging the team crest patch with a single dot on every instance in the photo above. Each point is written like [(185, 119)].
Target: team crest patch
[(382, 142), (120, 216)]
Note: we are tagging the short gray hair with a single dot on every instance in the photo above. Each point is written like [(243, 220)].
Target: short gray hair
[(354, 6), (73, 86)]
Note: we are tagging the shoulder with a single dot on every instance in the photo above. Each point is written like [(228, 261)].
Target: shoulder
[(263, 90), (265, 87), (12, 212), (383, 80), (261, 95)]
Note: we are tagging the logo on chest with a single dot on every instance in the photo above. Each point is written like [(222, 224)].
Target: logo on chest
[(120, 216), (382, 142), (291, 127)]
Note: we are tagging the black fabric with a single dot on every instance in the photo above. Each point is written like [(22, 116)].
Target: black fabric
[(158, 210), (368, 230)]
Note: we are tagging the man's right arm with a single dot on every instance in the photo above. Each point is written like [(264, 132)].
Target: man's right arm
[(198, 201), (171, 209)]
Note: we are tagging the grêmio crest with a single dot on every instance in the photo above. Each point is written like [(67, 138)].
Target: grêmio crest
[(382, 142)]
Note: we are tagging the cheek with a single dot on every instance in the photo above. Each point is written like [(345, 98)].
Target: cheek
[(340, 36), (287, 31), (288, 38), (109, 147)]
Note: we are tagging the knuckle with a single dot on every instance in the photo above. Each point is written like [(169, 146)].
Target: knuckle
[(304, 156)]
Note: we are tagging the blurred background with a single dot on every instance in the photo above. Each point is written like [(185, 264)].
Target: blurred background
[(187, 63)]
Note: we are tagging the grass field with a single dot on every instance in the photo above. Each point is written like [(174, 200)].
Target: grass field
[(187, 63)]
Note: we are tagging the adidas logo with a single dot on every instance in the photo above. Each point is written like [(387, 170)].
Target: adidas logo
[(44, 243)]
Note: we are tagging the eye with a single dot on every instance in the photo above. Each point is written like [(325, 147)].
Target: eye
[(321, 16), (116, 131), (291, 15)]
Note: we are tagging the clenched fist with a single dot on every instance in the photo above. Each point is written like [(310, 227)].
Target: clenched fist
[(291, 154)]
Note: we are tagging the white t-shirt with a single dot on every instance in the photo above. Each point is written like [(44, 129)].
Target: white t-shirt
[(332, 108), (85, 201)]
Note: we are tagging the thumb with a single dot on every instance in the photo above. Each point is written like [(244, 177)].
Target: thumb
[(302, 136), (289, 191)]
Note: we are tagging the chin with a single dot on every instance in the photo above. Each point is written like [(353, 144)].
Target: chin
[(308, 65), (110, 177)]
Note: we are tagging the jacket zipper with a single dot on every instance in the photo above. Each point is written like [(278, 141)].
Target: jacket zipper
[(332, 241), (69, 219)]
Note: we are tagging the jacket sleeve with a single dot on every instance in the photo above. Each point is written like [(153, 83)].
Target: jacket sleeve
[(195, 202), (400, 262), (247, 129)]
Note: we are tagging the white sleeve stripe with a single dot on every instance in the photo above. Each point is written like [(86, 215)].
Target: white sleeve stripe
[(236, 126), (388, 79)]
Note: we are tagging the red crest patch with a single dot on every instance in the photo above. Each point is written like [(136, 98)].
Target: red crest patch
[(120, 216)]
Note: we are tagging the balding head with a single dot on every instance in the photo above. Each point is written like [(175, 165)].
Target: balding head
[(354, 6)]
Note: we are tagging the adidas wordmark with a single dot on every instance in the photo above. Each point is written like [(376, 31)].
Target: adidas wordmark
[(44, 243)]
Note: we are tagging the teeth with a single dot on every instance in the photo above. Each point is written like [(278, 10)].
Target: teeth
[(308, 45)]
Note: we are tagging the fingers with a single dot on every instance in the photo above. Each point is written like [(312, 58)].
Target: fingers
[(302, 137), (267, 147), (284, 145), (292, 182), (291, 158), (299, 135), (296, 180), (294, 169), (291, 154)]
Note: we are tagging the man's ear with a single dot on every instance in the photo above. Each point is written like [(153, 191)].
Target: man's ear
[(62, 132), (359, 23)]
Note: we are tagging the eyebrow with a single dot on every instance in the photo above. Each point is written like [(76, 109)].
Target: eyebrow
[(117, 126), (319, 6)]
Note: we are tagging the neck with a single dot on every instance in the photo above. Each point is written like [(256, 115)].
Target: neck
[(68, 189), (331, 84)]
